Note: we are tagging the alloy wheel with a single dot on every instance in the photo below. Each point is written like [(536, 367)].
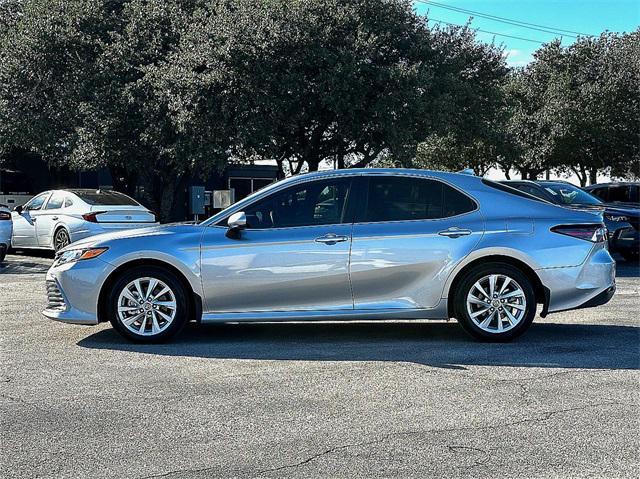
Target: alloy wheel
[(147, 306), (60, 240), (496, 303)]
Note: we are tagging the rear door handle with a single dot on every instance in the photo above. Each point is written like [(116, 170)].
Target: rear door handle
[(331, 238), (454, 232)]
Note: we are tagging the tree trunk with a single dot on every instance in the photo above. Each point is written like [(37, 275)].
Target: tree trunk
[(581, 174), (123, 180), (593, 175)]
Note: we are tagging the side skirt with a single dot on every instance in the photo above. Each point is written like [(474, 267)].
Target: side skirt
[(335, 315)]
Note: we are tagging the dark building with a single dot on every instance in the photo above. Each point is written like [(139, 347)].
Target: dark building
[(25, 173)]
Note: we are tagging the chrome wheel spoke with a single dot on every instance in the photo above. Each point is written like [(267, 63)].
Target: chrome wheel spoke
[(479, 312), (516, 306), (132, 319), (150, 287), (507, 280), (492, 285), (513, 294), (487, 321), (481, 289), (155, 327), (476, 300), (166, 304)]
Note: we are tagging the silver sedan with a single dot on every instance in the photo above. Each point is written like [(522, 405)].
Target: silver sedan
[(6, 228), (54, 219), (345, 245)]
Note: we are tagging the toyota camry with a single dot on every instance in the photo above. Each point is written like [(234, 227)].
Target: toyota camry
[(369, 244)]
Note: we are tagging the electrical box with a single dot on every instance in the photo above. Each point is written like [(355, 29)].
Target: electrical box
[(223, 198), (196, 200)]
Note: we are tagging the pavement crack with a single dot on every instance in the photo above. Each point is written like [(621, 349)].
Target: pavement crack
[(544, 416)]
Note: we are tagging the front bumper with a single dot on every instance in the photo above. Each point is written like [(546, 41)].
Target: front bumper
[(73, 290), (590, 284)]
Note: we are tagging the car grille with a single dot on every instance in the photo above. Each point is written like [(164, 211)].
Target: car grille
[(55, 297)]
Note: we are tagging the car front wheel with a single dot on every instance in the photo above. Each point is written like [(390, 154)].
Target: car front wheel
[(495, 302), (148, 304)]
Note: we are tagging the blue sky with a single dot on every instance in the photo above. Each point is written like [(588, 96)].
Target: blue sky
[(587, 16)]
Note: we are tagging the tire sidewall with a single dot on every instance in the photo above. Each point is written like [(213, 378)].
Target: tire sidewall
[(182, 313), (465, 286)]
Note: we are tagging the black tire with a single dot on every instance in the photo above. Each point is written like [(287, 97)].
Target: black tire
[(3, 252), (182, 313), (467, 283), (60, 239)]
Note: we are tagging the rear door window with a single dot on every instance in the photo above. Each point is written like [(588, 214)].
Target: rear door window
[(398, 198), (55, 202)]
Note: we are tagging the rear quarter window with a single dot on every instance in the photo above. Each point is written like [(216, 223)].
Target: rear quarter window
[(107, 198)]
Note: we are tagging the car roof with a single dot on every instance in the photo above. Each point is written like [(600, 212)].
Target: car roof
[(613, 183)]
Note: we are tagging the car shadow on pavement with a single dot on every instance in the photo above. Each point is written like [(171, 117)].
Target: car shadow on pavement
[(442, 345)]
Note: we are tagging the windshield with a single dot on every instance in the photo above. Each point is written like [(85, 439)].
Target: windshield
[(567, 194)]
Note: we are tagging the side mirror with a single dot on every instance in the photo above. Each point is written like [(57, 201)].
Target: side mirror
[(237, 222), (18, 209)]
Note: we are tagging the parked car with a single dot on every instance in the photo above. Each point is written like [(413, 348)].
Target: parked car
[(627, 193), (6, 227), (344, 245), (622, 220), (54, 219)]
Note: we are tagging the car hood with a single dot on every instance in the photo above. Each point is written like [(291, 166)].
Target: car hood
[(139, 233)]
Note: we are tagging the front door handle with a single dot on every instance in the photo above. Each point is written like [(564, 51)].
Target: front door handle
[(331, 238), (454, 232)]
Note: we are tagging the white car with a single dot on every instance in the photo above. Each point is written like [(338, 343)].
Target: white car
[(54, 219), (6, 227)]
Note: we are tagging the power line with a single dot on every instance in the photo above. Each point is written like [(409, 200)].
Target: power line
[(486, 31), (519, 23)]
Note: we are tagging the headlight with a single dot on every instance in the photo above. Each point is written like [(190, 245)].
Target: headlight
[(617, 218), (73, 255)]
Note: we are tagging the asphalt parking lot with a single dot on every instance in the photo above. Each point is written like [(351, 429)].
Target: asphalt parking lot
[(403, 399)]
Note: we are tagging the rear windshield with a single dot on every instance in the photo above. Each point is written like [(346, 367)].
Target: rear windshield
[(512, 190), (104, 197), (567, 194)]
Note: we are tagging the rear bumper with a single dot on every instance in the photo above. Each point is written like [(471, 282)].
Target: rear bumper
[(588, 285)]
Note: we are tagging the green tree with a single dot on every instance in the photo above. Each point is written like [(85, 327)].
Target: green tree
[(77, 86)]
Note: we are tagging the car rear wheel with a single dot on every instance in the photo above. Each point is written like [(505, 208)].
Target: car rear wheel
[(61, 239), (148, 304), (495, 302)]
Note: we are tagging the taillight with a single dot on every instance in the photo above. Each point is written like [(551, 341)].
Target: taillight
[(596, 233), (4, 216), (92, 217)]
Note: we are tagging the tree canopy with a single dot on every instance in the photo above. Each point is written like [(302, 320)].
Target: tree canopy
[(161, 90)]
